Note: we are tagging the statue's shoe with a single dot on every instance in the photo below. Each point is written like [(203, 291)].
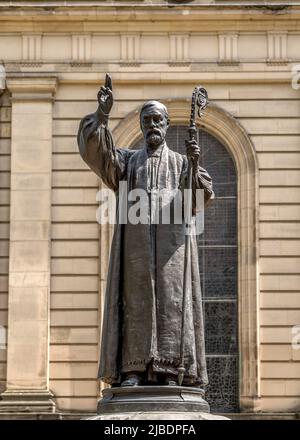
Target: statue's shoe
[(170, 381), (132, 380)]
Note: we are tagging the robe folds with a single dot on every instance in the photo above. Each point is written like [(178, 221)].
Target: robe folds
[(143, 302)]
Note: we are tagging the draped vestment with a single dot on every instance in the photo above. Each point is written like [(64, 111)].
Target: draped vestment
[(143, 305)]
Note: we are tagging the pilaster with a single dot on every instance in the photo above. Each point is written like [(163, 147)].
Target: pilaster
[(27, 386)]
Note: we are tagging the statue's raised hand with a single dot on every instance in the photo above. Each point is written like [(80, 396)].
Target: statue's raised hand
[(105, 97)]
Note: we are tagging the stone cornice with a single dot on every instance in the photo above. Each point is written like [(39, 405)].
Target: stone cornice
[(212, 4), (160, 9), (147, 16), (109, 21)]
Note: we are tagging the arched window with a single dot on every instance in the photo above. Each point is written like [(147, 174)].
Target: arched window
[(218, 269)]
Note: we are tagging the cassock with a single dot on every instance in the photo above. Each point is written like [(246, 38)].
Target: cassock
[(143, 303)]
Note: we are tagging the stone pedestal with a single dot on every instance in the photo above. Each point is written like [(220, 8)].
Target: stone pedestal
[(153, 403)]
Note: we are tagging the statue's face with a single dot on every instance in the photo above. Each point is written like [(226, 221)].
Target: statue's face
[(154, 126)]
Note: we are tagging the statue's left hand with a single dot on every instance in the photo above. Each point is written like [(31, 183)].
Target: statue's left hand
[(193, 152)]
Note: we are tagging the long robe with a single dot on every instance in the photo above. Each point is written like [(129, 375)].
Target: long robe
[(143, 302)]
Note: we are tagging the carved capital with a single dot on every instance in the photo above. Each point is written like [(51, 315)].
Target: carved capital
[(32, 88)]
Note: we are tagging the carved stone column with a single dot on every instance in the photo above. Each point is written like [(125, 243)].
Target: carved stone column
[(27, 386)]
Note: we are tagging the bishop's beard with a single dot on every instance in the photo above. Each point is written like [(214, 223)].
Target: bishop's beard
[(154, 138)]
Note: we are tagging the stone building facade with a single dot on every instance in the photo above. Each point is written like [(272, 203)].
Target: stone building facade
[(53, 254)]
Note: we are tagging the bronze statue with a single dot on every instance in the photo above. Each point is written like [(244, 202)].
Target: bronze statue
[(141, 336)]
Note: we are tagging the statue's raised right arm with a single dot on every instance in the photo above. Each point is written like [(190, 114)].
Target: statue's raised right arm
[(96, 144)]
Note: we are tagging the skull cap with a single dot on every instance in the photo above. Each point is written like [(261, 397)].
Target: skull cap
[(156, 104)]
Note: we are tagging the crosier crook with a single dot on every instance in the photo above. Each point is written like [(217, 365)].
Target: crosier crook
[(199, 100)]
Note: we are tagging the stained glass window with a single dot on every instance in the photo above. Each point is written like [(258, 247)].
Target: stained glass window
[(218, 269)]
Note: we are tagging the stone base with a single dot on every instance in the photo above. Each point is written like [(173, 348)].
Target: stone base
[(157, 415), (27, 402), (152, 398), (153, 403)]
